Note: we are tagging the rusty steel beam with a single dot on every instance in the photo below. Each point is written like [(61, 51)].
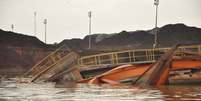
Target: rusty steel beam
[(48, 61), (117, 73), (158, 74), (67, 60)]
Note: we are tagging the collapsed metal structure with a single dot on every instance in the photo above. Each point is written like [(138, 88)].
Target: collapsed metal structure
[(59, 60), (144, 67)]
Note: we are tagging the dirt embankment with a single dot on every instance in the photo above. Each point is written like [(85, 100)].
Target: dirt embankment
[(19, 53), (168, 35)]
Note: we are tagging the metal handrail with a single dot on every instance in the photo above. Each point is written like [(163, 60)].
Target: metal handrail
[(133, 56)]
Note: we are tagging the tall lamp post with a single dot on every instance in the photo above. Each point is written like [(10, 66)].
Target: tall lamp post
[(12, 27), (45, 23), (156, 3), (89, 14), (35, 23)]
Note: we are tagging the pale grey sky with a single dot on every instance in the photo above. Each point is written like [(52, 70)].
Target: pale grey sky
[(69, 19)]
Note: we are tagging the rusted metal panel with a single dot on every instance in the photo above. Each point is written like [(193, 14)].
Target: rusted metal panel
[(61, 59), (65, 63), (148, 74)]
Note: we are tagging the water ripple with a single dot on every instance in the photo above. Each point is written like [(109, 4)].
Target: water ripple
[(47, 92)]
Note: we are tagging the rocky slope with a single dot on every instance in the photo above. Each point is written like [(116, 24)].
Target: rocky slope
[(8, 38), (20, 52), (168, 35)]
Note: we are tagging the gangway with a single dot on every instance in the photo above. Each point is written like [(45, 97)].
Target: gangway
[(135, 56), (156, 73), (56, 61)]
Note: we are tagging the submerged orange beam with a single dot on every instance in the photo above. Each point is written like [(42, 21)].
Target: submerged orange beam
[(163, 79), (118, 73), (185, 64), (128, 71)]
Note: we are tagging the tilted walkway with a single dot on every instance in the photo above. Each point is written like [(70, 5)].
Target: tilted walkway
[(136, 56), (58, 60)]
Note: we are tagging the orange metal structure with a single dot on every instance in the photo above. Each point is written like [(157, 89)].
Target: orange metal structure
[(148, 74), (131, 71)]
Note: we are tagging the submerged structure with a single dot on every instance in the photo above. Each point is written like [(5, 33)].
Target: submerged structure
[(158, 66)]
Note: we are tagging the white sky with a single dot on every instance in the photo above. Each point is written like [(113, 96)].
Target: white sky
[(69, 19)]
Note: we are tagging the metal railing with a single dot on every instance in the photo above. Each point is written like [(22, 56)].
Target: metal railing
[(48, 61), (132, 56)]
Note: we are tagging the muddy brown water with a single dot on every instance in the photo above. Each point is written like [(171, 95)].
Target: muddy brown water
[(12, 91)]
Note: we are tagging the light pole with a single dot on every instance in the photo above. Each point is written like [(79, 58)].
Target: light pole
[(35, 13), (89, 14), (45, 23), (156, 3), (12, 27)]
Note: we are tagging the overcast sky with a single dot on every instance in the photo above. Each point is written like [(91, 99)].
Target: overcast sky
[(69, 18)]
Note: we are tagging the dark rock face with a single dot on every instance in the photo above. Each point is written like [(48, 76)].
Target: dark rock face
[(20, 52), (125, 39), (179, 33), (168, 35), (18, 40), (73, 44)]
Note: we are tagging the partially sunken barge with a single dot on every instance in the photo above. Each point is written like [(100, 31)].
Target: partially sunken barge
[(157, 66)]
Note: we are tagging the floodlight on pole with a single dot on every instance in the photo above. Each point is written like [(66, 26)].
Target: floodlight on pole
[(12, 27), (156, 3), (90, 15), (35, 14), (45, 23)]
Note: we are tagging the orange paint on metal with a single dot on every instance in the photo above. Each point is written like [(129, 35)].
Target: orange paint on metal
[(111, 82), (127, 71), (185, 64), (163, 78), (94, 81), (120, 73)]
